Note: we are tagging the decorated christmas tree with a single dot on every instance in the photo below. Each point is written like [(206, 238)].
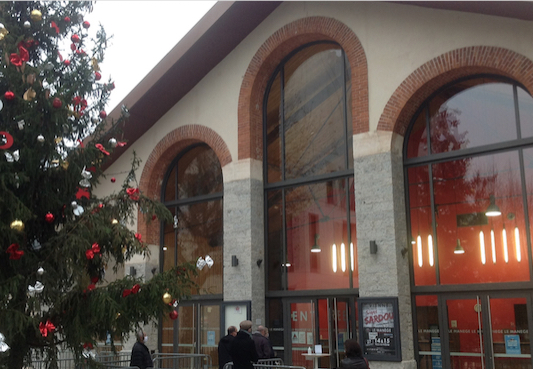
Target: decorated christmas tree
[(60, 246)]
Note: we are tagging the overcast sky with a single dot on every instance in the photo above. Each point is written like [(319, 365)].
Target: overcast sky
[(143, 33)]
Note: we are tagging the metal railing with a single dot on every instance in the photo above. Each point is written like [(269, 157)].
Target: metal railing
[(272, 363)]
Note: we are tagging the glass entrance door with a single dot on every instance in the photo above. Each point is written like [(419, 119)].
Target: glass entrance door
[(488, 331), (327, 322)]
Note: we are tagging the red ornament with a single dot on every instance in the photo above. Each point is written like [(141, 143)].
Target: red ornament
[(54, 26), (67, 19), (82, 192), (97, 76), (89, 254), (133, 193), (154, 217), (101, 148), (49, 217), (173, 315), (138, 236), (57, 103), (113, 179), (96, 248), (86, 24), (9, 140), (103, 114), (46, 328), (14, 252), (135, 289), (73, 47), (15, 60), (75, 38), (9, 95), (76, 100), (94, 280), (91, 287), (66, 62)]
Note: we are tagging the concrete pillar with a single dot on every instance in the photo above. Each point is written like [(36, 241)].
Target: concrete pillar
[(244, 235), (381, 217)]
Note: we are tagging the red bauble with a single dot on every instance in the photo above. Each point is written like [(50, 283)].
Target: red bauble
[(75, 38), (113, 179), (9, 95), (97, 76), (86, 24), (173, 315), (66, 19), (67, 62), (73, 47), (49, 217), (103, 114), (57, 103)]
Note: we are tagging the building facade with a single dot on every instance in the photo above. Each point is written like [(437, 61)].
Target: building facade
[(330, 166)]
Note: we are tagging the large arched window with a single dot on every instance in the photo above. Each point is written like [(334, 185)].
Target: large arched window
[(192, 190), (308, 171), (470, 149)]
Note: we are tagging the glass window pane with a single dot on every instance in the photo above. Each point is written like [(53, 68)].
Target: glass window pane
[(200, 234), (422, 238), (169, 244), (418, 138), (187, 330), (349, 117), (466, 116), (273, 140), (199, 173), (429, 337), (317, 213), (353, 233), (314, 126), (170, 188), (210, 333), (277, 262), (525, 107), (275, 326), (494, 247)]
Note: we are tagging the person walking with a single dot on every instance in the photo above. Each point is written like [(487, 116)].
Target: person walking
[(262, 343), (242, 350), (224, 345), (354, 356), (140, 355)]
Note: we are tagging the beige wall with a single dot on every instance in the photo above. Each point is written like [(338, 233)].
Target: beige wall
[(396, 39)]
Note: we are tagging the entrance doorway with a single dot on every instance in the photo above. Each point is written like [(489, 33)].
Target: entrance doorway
[(483, 331), (327, 322)]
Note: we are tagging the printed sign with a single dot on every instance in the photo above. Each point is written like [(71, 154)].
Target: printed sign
[(512, 344)]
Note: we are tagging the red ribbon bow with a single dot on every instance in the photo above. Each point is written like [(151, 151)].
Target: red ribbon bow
[(54, 26), (135, 289), (95, 249), (138, 236), (14, 252), (46, 328), (133, 193), (101, 148)]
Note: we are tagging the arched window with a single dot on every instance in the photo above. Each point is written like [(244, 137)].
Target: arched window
[(308, 171), (192, 190), (470, 150)]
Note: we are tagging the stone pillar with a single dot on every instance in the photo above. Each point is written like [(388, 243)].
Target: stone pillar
[(244, 235), (381, 217)]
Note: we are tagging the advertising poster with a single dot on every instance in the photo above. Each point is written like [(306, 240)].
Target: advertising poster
[(380, 329)]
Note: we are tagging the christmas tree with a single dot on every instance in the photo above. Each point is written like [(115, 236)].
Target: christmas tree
[(57, 238)]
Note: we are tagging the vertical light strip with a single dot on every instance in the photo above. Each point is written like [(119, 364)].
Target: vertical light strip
[(334, 258), (343, 257), (419, 250), (482, 247), (430, 250), (517, 244), (493, 246), (352, 256), (505, 249)]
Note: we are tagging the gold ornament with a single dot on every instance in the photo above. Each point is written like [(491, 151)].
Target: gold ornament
[(17, 225), (36, 15), (114, 221), (29, 95), (167, 298), (94, 64), (57, 140), (3, 31)]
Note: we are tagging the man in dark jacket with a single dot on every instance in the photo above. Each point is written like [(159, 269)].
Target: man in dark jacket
[(224, 346), (262, 343), (140, 355), (242, 350)]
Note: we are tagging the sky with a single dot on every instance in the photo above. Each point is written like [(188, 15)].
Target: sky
[(143, 33)]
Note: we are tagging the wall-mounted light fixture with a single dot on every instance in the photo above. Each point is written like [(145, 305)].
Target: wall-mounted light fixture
[(258, 262), (315, 247), (234, 261), (373, 247)]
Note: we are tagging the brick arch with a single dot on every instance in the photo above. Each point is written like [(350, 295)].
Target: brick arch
[(425, 80), (164, 152), (270, 55)]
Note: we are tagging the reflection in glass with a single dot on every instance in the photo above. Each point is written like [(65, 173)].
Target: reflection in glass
[(429, 339), (199, 172), (210, 332), (187, 331)]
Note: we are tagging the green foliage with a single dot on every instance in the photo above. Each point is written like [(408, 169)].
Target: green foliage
[(40, 183)]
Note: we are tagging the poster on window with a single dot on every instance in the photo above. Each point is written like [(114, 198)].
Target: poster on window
[(379, 329)]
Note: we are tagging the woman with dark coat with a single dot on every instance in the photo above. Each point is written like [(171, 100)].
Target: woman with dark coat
[(354, 356)]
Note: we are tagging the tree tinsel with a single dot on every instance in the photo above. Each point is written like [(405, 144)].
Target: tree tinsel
[(54, 140)]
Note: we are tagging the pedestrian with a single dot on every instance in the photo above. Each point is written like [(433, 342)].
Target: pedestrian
[(354, 356), (242, 350), (224, 345), (262, 343), (140, 355)]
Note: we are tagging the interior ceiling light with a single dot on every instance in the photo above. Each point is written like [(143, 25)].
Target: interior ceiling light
[(459, 249), (493, 210)]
